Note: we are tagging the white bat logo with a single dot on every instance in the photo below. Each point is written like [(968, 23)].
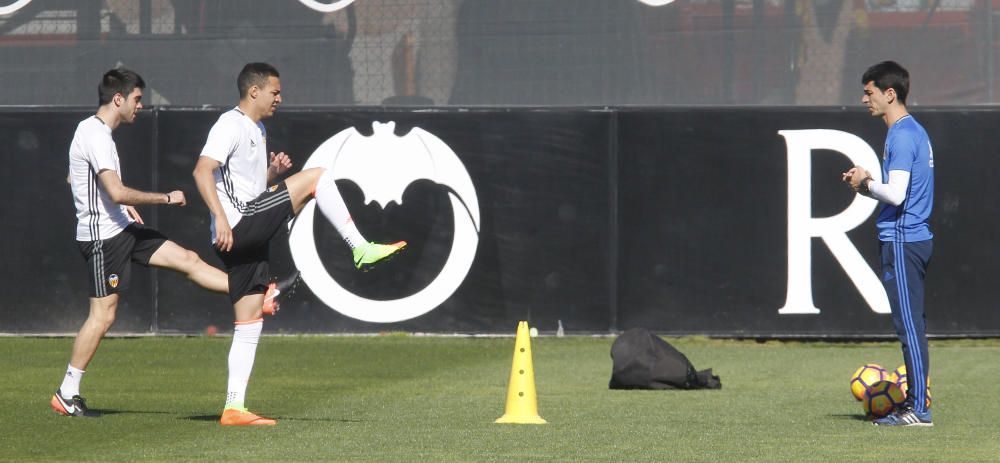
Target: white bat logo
[(17, 5), (382, 166), (326, 7)]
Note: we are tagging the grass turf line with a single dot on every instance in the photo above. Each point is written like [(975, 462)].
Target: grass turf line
[(400, 398)]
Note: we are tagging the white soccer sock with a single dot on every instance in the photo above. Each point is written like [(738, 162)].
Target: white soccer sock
[(71, 382), (241, 356), (332, 204)]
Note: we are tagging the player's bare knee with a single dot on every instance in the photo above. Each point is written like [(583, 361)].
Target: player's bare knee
[(302, 186), (103, 314), (189, 261), (311, 177), (105, 320)]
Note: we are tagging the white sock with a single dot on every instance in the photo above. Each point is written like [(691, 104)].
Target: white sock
[(71, 382), (241, 356), (332, 204)]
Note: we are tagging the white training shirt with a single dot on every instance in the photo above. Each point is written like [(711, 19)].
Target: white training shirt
[(239, 144), (91, 151)]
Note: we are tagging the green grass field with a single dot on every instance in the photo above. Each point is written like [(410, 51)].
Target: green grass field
[(404, 398)]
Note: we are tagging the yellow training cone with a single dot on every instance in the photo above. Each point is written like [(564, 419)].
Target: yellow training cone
[(522, 404)]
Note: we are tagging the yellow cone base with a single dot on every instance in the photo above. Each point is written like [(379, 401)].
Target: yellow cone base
[(520, 419), (522, 403)]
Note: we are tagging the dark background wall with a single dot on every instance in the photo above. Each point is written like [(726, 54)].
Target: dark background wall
[(672, 219), (704, 222)]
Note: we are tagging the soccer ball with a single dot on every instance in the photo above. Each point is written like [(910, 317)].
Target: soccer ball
[(903, 386), (864, 378), (881, 399), (897, 373)]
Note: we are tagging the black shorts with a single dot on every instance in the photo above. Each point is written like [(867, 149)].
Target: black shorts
[(247, 262), (109, 262)]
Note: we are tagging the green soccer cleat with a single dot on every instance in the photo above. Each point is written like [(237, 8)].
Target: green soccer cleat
[(369, 254)]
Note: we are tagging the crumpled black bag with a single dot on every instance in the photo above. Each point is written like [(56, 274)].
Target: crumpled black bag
[(642, 360)]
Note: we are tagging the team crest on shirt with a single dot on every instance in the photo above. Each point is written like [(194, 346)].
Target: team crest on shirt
[(113, 280), (273, 188)]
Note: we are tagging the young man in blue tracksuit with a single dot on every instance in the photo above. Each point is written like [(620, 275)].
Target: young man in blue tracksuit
[(903, 231)]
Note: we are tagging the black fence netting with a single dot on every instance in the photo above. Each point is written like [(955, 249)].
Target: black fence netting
[(511, 52)]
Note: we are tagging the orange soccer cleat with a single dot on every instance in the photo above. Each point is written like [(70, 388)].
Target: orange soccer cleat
[(271, 305), (242, 417), (77, 406)]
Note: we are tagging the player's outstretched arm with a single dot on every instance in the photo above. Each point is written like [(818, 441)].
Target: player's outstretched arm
[(121, 194)]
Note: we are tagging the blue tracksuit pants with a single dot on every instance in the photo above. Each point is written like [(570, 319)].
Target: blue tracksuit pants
[(904, 266)]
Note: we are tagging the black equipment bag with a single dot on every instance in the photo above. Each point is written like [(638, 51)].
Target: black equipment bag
[(643, 360)]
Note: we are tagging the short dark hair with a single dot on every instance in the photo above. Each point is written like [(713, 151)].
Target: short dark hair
[(118, 80), (254, 74), (886, 75)]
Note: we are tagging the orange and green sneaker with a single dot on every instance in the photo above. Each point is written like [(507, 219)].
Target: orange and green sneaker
[(370, 254)]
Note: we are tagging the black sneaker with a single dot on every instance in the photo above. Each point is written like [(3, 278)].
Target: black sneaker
[(905, 417), (76, 406)]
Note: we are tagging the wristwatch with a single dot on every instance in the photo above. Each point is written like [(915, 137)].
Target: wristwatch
[(863, 186)]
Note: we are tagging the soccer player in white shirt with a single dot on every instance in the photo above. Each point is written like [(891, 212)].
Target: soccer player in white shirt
[(110, 232), (233, 174)]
